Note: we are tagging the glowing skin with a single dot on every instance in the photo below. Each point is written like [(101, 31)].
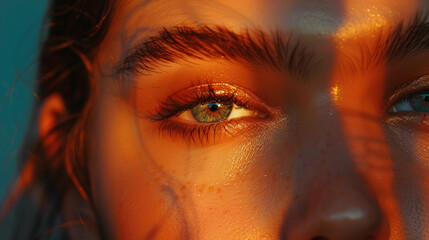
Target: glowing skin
[(326, 160)]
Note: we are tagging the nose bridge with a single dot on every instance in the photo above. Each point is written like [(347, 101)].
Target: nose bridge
[(332, 198)]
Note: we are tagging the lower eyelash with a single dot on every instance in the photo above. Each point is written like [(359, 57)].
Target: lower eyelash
[(197, 133)]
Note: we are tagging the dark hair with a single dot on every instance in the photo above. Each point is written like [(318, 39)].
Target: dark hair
[(74, 30)]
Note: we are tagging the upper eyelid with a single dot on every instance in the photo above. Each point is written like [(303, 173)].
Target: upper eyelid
[(235, 94), (407, 90)]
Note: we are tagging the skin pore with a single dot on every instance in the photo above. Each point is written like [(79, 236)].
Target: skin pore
[(319, 154)]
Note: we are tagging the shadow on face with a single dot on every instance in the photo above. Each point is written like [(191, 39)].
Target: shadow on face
[(262, 120)]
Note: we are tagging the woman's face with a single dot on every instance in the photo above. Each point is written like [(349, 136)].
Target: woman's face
[(278, 119)]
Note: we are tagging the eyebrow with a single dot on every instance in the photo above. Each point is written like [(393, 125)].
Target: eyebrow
[(277, 50), (406, 39), (250, 46)]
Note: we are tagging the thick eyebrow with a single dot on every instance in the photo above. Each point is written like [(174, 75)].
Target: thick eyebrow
[(277, 50), (406, 39)]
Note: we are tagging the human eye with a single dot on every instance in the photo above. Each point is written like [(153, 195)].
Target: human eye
[(412, 99), (417, 103), (215, 111), (209, 113)]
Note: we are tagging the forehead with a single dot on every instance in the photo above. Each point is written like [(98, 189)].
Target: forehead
[(343, 18)]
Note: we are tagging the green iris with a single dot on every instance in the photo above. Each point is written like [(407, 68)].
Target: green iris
[(211, 112), (420, 102)]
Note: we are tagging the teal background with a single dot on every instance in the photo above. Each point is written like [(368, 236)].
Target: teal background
[(20, 26)]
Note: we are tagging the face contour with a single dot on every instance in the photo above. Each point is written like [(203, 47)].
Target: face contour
[(251, 119)]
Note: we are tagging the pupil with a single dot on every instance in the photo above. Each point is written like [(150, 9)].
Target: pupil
[(426, 98), (213, 106)]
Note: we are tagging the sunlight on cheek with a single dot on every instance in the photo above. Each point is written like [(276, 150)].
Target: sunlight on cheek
[(421, 145), (411, 137), (211, 165), (422, 149)]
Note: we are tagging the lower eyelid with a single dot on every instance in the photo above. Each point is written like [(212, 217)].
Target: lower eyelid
[(200, 134), (203, 134), (408, 121)]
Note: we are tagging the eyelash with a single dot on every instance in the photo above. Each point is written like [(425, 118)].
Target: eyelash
[(202, 133), (176, 104), (405, 93)]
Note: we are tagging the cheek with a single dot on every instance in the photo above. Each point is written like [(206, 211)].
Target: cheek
[(410, 153), (127, 194), (145, 185), (412, 191)]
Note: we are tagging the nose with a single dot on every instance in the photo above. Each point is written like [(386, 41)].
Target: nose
[(332, 199), (336, 211)]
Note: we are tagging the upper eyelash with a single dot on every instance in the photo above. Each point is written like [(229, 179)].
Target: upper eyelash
[(176, 104), (407, 91)]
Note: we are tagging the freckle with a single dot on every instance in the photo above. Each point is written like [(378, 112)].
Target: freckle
[(220, 197), (225, 211), (211, 188), (188, 183), (274, 178), (201, 189), (218, 190), (183, 188)]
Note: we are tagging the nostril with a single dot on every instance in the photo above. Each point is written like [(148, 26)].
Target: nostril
[(325, 238), (320, 238)]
